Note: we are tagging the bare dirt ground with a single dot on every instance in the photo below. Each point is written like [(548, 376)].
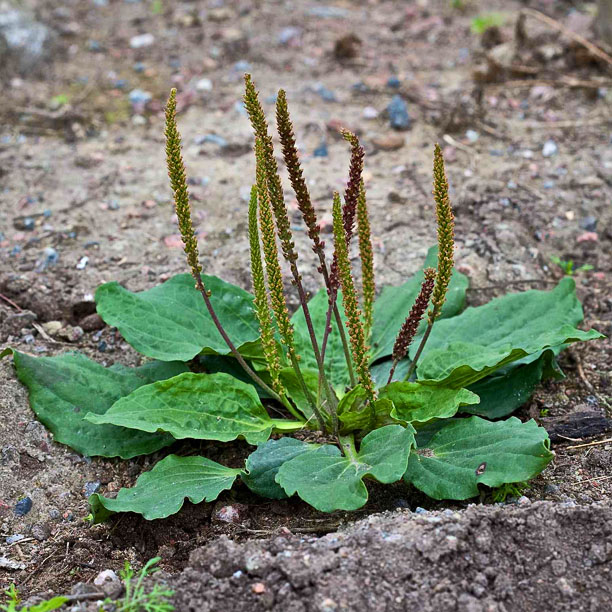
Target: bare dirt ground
[(84, 199)]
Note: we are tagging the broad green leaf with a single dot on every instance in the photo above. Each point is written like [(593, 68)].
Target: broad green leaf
[(294, 390), (335, 362), (170, 321), (222, 363), (197, 406), (329, 481), (64, 389), (162, 491), (394, 304), (510, 387), (469, 452), (414, 402), (466, 348), (263, 464), (361, 419)]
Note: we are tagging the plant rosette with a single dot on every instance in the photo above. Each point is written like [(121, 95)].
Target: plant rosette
[(407, 386)]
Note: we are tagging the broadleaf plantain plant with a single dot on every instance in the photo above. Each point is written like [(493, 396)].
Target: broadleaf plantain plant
[(382, 380)]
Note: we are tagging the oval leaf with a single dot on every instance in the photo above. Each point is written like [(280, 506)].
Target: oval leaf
[(329, 481), (466, 348), (394, 303), (509, 388), (197, 406), (64, 389), (170, 321), (420, 403), (162, 491), (469, 452), (263, 465)]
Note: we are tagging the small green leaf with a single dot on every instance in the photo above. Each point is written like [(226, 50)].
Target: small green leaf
[(162, 491), (262, 465), (294, 390), (420, 403), (335, 362), (352, 401), (197, 406), (170, 321), (361, 420), (354, 414), (472, 451), (394, 303), (329, 481), (510, 387), (466, 348), (64, 389)]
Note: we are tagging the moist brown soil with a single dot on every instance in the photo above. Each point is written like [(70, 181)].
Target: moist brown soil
[(88, 180)]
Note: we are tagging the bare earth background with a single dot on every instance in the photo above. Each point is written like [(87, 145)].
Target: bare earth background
[(524, 117)]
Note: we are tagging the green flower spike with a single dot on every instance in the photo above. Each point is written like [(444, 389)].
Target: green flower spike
[(366, 254), (349, 298), (261, 302)]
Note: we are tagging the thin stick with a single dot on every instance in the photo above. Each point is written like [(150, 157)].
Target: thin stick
[(239, 358), (553, 23), (9, 301), (589, 444)]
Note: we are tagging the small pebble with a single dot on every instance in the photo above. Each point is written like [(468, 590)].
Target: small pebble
[(23, 506), (391, 142), (589, 223), (82, 264), (550, 148), (17, 537), (142, 40), (398, 113), (227, 514), (321, 150), (108, 582), (29, 224), (204, 85), (326, 94), (369, 112), (393, 82), (289, 35), (419, 510), (472, 136), (90, 488), (139, 97), (211, 138)]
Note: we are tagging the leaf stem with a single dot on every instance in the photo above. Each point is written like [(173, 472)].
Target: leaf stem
[(347, 444), (311, 400), (419, 350), (239, 358), (286, 425)]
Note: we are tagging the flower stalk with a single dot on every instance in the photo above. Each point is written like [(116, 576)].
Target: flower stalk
[(446, 249), (349, 298), (366, 254), (275, 279), (178, 182), (292, 162), (411, 324), (283, 229), (261, 301)]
